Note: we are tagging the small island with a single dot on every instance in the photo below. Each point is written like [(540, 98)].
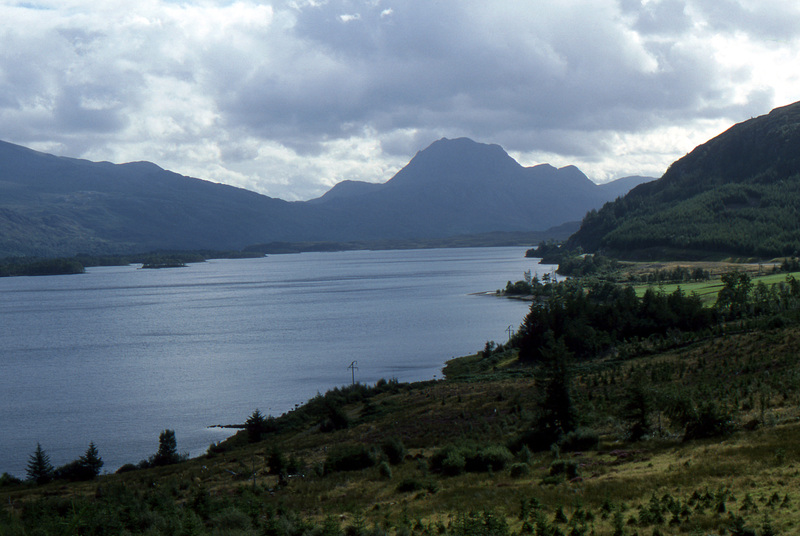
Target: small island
[(165, 264)]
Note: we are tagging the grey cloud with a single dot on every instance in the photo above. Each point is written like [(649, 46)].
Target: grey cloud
[(556, 77), (72, 114), (429, 66), (765, 20), (667, 17)]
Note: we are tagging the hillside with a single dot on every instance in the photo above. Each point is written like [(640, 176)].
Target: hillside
[(736, 195), (56, 206), (657, 445), (62, 206)]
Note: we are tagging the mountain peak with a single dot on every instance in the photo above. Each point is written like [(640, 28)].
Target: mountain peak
[(454, 160), (463, 148)]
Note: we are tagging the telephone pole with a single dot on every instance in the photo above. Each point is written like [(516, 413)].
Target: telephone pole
[(353, 368), (510, 331)]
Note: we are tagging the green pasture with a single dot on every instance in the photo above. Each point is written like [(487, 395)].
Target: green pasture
[(708, 290)]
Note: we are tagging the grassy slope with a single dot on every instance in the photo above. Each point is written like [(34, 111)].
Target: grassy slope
[(756, 375), (708, 290)]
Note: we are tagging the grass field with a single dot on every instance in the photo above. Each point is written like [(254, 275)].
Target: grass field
[(708, 290)]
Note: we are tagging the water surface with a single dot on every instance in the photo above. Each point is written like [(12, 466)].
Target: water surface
[(119, 354)]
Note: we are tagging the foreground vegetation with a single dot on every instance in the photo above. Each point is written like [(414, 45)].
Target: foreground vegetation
[(688, 427)]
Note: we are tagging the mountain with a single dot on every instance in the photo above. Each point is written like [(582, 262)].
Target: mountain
[(53, 206), (736, 195), (620, 187), (61, 206), (460, 186)]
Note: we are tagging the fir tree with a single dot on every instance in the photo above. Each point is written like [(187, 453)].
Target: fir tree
[(167, 449), (91, 462), (39, 468)]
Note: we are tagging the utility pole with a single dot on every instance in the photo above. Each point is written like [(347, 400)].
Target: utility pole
[(353, 369), (510, 332)]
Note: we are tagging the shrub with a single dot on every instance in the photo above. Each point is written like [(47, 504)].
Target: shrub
[(453, 460), (536, 439), (708, 421), (408, 485), (8, 480), (394, 450), (385, 471), (349, 458), (230, 520), (491, 458), (337, 418), (74, 471), (454, 463), (276, 461), (519, 470), (580, 439), (216, 448), (567, 468), (127, 468)]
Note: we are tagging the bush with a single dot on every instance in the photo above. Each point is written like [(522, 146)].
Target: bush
[(409, 485), (491, 458), (385, 471), (337, 418), (519, 470), (277, 461), (394, 450), (580, 439), (708, 421), (9, 480), (74, 471), (231, 519), (453, 460), (454, 463), (567, 468), (349, 458), (127, 468), (536, 440)]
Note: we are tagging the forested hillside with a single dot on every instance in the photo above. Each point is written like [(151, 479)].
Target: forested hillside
[(737, 194)]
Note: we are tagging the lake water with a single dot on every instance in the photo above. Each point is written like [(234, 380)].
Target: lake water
[(119, 354)]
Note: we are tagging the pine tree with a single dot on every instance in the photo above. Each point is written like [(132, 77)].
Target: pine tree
[(559, 414), (39, 468), (255, 426), (91, 462), (167, 449)]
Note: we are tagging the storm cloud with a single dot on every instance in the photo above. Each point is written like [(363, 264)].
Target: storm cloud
[(289, 97)]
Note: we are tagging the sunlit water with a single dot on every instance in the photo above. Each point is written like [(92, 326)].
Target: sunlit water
[(119, 354)]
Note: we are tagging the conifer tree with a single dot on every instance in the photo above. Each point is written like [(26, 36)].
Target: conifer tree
[(558, 416), (91, 462), (167, 449), (255, 426), (39, 468)]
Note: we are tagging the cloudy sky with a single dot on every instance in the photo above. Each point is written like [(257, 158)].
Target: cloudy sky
[(289, 97)]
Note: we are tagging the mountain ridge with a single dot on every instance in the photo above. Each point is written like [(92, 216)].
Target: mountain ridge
[(735, 195), (59, 206)]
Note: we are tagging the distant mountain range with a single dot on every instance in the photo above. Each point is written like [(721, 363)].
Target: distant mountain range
[(57, 206), (736, 195)]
